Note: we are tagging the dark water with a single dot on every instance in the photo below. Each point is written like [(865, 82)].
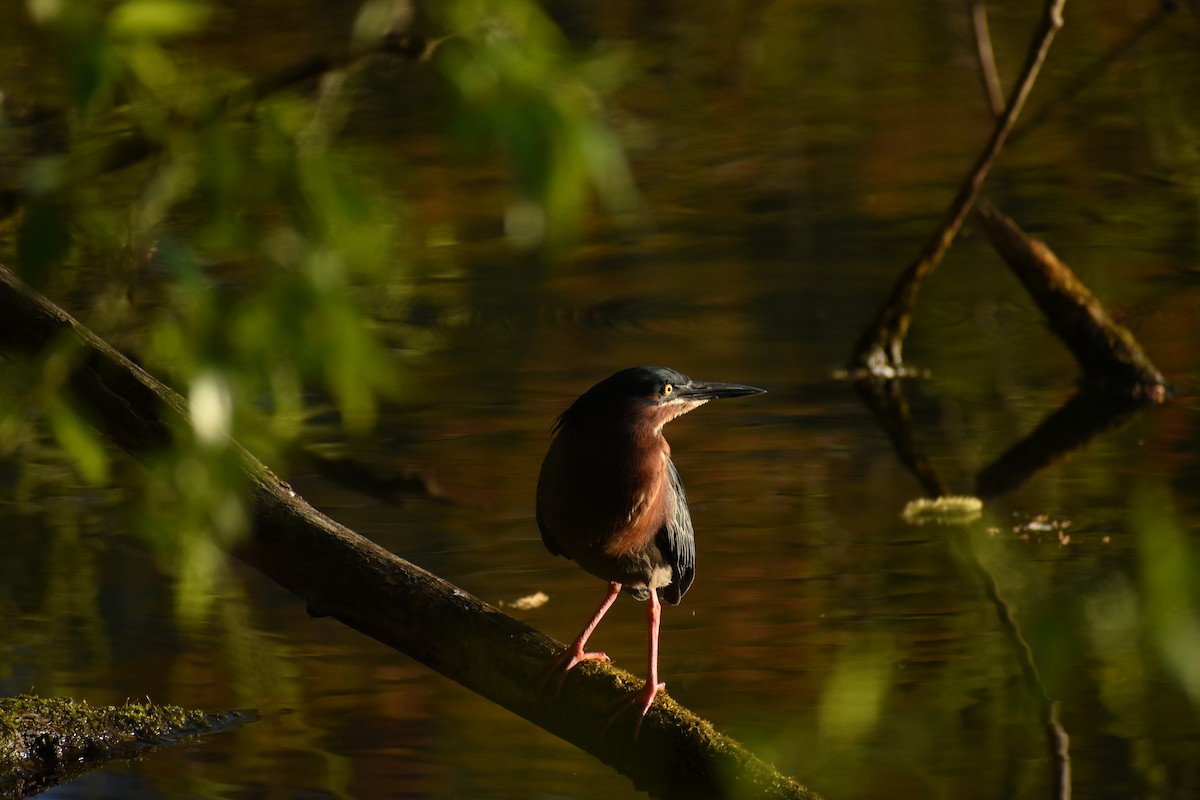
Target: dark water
[(793, 157)]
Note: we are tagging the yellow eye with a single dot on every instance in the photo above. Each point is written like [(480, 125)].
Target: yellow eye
[(667, 389)]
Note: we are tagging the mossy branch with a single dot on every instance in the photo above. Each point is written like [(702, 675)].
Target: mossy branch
[(344, 575), (45, 742)]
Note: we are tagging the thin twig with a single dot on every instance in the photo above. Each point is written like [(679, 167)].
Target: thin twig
[(1092, 72), (879, 349), (987, 58)]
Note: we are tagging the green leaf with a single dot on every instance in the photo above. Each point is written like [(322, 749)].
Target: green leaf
[(157, 19), (80, 441), (1168, 567)]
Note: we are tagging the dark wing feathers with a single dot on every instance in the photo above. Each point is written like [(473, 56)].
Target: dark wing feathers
[(677, 541), (546, 538)]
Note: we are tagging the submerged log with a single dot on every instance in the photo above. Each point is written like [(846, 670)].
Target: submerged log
[(341, 574), (1107, 352), (45, 742)]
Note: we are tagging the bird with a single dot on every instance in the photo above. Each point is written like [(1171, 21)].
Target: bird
[(610, 498)]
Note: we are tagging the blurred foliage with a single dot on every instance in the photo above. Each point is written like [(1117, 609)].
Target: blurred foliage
[(238, 254), (520, 84), (1171, 603), (856, 691)]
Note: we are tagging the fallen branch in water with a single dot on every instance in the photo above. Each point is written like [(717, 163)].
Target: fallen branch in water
[(1107, 352), (878, 351)]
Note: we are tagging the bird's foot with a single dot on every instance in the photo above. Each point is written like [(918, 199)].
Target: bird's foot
[(640, 701), (563, 663)]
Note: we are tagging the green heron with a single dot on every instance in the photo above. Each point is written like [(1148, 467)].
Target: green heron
[(610, 498)]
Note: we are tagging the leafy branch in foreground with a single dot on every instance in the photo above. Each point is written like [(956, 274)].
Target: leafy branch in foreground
[(248, 242)]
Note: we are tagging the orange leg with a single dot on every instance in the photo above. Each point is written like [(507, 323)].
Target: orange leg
[(641, 699), (567, 659)]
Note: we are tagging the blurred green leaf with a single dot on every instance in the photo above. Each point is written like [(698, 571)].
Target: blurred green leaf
[(80, 440), (855, 692), (1113, 622), (158, 19), (1169, 587), (152, 67), (523, 88)]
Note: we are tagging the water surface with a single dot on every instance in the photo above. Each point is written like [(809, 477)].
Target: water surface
[(793, 157)]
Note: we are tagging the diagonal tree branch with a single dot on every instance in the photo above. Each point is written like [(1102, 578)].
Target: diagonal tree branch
[(344, 575), (878, 351)]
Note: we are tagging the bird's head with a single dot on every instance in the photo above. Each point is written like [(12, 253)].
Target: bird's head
[(645, 396)]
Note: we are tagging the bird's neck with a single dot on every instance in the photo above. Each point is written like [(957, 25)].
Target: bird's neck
[(646, 457), (626, 446)]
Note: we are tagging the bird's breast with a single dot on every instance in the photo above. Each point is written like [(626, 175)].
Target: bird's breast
[(604, 494), (647, 512)]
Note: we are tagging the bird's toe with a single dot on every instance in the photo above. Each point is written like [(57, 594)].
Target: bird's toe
[(564, 662), (640, 701)]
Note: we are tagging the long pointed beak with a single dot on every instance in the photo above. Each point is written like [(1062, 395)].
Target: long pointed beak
[(708, 390)]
